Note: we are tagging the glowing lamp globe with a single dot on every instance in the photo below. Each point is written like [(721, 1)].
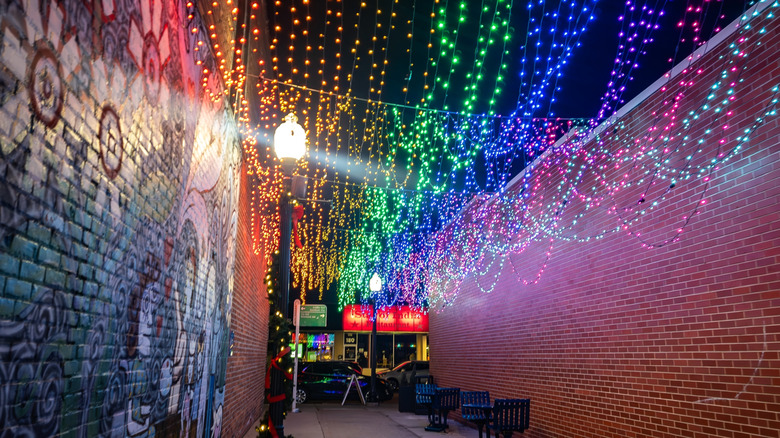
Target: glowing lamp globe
[(375, 284), (289, 142)]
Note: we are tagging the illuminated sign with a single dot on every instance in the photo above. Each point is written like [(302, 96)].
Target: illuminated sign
[(410, 320), (353, 318), (389, 319)]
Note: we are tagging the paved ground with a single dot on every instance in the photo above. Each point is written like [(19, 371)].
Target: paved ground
[(353, 420)]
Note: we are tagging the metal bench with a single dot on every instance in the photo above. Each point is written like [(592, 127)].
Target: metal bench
[(424, 397), (444, 401), (510, 415), (475, 407)]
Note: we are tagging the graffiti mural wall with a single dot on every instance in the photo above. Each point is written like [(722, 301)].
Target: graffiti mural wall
[(118, 214)]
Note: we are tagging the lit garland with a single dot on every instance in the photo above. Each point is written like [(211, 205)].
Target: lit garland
[(400, 178)]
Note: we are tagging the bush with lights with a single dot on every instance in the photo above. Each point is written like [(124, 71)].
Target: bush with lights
[(279, 337)]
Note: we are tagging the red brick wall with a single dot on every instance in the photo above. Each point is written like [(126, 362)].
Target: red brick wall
[(619, 339), (245, 390)]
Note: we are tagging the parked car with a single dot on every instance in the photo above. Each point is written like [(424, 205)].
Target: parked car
[(329, 380), (405, 372), (352, 364)]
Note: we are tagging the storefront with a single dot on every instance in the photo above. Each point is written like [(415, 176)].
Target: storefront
[(402, 334)]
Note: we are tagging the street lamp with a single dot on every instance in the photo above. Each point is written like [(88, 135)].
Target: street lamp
[(290, 146), (290, 143), (375, 285)]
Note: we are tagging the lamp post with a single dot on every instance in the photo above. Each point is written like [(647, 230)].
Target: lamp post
[(290, 146), (375, 285)]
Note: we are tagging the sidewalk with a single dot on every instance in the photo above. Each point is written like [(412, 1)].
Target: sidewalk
[(353, 420)]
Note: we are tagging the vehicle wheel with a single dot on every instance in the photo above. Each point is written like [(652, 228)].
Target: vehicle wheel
[(393, 383), (386, 394), (301, 396)]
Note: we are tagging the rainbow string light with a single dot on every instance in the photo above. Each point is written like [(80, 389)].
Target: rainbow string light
[(410, 159)]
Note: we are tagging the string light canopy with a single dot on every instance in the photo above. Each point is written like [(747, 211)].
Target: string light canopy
[(420, 113)]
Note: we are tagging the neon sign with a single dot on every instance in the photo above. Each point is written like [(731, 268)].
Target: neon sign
[(389, 319)]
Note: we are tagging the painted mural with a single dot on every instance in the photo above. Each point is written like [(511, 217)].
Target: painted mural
[(118, 215)]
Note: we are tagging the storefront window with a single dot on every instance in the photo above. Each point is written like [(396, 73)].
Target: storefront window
[(362, 346), (317, 347), (405, 348), (384, 356)]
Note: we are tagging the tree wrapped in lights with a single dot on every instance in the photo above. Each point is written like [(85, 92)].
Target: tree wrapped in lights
[(279, 336)]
